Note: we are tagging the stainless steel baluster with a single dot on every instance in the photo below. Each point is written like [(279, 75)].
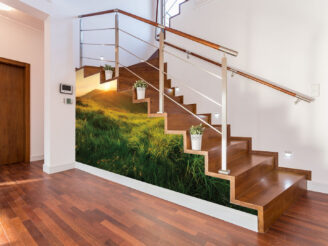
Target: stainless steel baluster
[(161, 72), (117, 46), (224, 169), (81, 45)]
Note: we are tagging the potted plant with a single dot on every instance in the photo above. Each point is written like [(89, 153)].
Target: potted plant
[(108, 72), (196, 133), (141, 86)]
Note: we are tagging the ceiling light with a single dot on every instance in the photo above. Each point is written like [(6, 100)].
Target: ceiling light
[(5, 7)]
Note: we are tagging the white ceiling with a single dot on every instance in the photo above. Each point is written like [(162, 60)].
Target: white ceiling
[(21, 17), (34, 12)]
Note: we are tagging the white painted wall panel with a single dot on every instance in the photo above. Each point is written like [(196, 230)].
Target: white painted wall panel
[(283, 41)]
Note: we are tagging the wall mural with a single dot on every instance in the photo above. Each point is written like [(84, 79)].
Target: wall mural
[(114, 134)]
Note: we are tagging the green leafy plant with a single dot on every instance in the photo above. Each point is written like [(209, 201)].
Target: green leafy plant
[(197, 130), (140, 83), (108, 67)]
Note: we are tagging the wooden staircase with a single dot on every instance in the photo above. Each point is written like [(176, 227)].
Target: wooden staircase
[(256, 180)]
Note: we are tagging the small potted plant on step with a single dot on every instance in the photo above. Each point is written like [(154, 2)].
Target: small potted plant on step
[(141, 86), (196, 133), (108, 72)]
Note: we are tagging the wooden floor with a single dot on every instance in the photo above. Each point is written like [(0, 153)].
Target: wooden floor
[(76, 208)]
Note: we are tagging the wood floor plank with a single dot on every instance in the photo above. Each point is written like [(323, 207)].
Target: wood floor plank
[(56, 229), (74, 208), (35, 233), (3, 236), (119, 231)]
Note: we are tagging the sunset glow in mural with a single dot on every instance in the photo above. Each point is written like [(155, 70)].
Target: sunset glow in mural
[(115, 134)]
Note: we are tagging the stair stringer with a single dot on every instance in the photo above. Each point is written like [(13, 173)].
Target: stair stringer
[(265, 217), (172, 132)]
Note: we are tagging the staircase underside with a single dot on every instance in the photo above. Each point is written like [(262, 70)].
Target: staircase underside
[(256, 180)]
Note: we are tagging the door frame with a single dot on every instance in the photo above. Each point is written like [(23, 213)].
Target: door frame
[(27, 124)]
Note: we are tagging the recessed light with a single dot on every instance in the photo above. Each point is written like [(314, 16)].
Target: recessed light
[(102, 58), (216, 116), (177, 89), (5, 7), (288, 154)]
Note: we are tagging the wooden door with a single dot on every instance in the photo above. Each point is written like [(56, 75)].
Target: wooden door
[(14, 118)]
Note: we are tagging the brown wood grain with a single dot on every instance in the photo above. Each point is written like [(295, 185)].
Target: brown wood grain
[(76, 208), (256, 180), (172, 30), (246, 75), (98, 13), (14, 111)]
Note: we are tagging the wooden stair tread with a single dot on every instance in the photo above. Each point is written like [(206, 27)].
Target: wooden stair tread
[(243, 164), (181, 121), (91, 70), (216, 145), (269, 187), (256, 180)]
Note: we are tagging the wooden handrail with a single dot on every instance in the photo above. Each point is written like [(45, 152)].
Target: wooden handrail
[(208, 44), (168, 29), (248, 76), (99, 13)]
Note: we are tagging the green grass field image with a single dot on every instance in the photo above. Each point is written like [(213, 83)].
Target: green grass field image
[(114, 134)]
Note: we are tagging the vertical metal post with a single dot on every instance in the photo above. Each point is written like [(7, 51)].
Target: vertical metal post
[(161, 72), (163, 13), (81, 45), (117, 46), (224, 76)]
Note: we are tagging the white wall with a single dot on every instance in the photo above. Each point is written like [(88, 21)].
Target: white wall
[(61, 56), (59, 117), (283, 41), (23, 43), (59, 67), (143, 8), (278, 40)]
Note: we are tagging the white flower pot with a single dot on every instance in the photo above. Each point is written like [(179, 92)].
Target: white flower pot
[(108, 74), (196, 142), (141, 93)]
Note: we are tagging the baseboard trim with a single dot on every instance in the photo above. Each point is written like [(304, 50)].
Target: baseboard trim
[(56, 169), (227, 214), (318, 187), (37, 158)]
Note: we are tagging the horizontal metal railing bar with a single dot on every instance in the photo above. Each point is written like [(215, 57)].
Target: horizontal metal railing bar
[(182, 59), (194, 64), (249, 76), (98, 29), (98, 44), (177, 80), (96, 59), (168, 97), (138, 38), (139, 58), (168, 29)]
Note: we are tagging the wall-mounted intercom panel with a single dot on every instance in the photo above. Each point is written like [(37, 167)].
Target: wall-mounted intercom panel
[(66, 89)]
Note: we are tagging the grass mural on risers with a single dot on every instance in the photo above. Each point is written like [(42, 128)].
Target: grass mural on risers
[(114, 134)]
